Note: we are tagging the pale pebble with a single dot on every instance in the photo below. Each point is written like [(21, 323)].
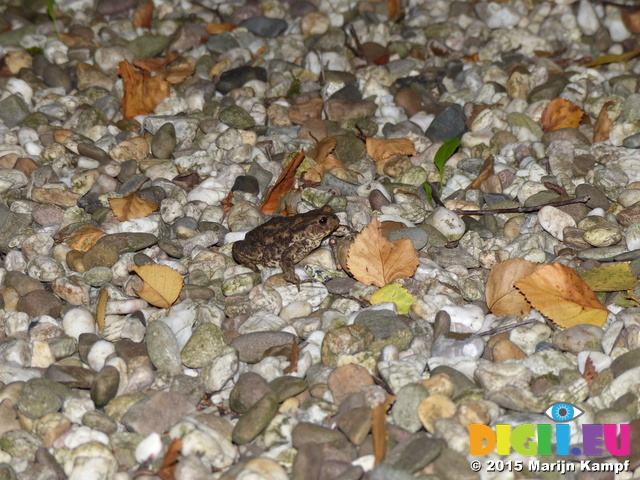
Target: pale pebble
[(149, 448), (447, 223), (99, 353), (554, 221), (78, 321), (466, 318), (600, 360)]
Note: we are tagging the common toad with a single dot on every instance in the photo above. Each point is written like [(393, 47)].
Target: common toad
[(284, 241)]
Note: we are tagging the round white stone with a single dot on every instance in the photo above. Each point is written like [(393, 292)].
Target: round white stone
[(447, 223), (466, 318), (77, 321)]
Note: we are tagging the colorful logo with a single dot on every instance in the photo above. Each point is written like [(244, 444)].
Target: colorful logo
[(533, 440)]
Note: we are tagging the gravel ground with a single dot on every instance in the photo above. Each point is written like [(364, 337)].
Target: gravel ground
[(211, 377)]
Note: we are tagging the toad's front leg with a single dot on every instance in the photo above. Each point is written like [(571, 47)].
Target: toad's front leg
[(288, 270)]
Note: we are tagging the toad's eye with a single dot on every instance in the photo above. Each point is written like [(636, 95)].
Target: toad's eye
[(323, 220), (563, 412)]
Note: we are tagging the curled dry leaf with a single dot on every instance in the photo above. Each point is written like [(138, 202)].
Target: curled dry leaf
[(373, 260), (380, 149), (143, 16), (560, 113), (131, 206), (603, 123), (285, 182), (162, 284), (501, 295), (214, 28), (84, 238), (558, 292), (142, 92), (101, 308)]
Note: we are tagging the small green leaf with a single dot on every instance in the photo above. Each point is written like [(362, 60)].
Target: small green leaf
[(52, 14), (396, 293), (429, 192), (444, 153)]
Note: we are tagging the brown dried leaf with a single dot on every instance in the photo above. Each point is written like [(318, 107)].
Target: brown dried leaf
[(84, 238), (143, 16), (323, 148), (285, 182), (162, 284), (603, 123), (485, 172), (179, 70), (560, 113), (379, 429), (101, 308), (589, 371), (373, 260), (142, 92), (187, 180), (214, 28), (381, 148), (131, 206), (558, 292), (315, 173), (155, 64), (501, 295), (621, 58), (394, 8)]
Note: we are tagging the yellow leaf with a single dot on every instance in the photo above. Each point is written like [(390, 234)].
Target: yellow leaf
[(84, 238), (162, 284), (131, 206), (610, 278), (101, 308), (558, 292), (381, 148), (373, 260), (395, 293), (501, 294)]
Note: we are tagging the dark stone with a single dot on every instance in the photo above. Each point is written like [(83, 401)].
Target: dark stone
[(238, 77), (264, 27), (447, 124)]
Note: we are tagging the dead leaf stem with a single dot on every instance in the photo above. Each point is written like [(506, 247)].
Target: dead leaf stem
[(583, 199)]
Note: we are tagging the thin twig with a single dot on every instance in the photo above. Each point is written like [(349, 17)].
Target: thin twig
[(506, 328), (583, 199)]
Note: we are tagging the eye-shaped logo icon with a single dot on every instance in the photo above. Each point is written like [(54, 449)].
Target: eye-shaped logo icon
[(563, 412)]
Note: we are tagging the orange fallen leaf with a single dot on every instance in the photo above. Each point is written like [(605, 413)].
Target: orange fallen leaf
[(214, 28), (560, 113), (162, 284), (373, 260), (285, 183), (170, 461), (84, 238), (603, 123), (558, 292), (143, 16), (501, 295), (381, 148), (142, 92), (155, 64), (379, 429), (324, 158), (179, 70), (132, 206), (394, 7), (293, 358), (101, 308)]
